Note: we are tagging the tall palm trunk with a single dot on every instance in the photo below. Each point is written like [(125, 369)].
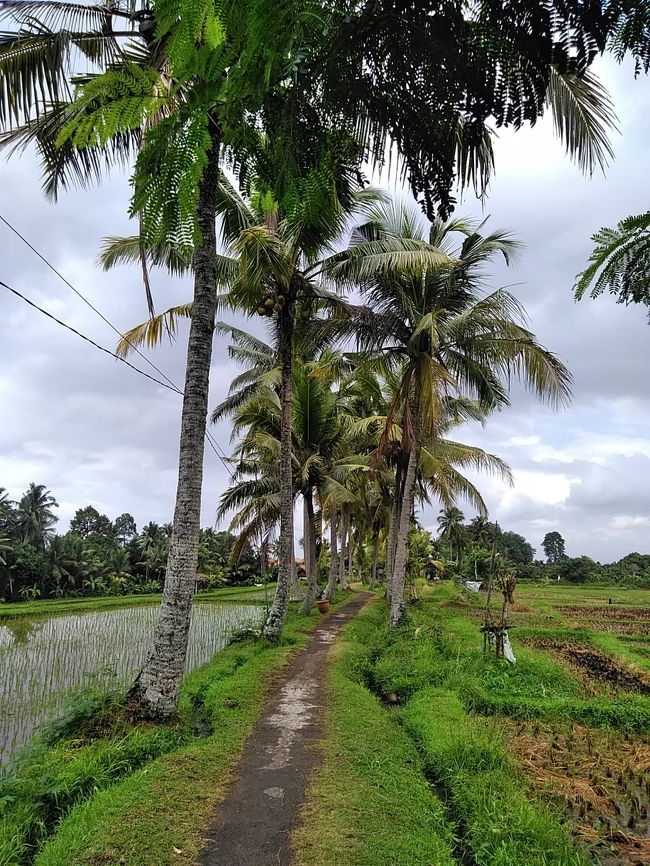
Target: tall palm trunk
[(351, 552), (375, 550), (157, 686), (392, 531), (345, 523), (401, 546), (278, 613), (334, 552), (310, 545)]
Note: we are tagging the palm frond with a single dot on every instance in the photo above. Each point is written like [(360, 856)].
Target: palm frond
[(151, 332), (620, 262), (583, 113)]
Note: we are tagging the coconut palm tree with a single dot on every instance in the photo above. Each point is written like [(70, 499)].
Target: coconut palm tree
[(34, 516), (451, 527), (442, 332)]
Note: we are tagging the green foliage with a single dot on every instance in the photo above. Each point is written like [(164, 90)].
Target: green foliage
[(40, 791), (166, 181), (620, 262), (187, 26), (116, 101), (578, 569)]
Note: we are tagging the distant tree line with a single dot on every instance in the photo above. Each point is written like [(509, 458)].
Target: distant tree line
[(466, 551), (97, 555)]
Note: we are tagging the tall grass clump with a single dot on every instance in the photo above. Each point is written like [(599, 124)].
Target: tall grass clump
[(499, 823)]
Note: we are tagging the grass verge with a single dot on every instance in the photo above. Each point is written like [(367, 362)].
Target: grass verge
[(500, 824), (141, 794)]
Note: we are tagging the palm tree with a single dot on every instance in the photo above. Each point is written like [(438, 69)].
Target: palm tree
[(432, 323), (480, 530), (451, 527), (69, 564), (34, 516)]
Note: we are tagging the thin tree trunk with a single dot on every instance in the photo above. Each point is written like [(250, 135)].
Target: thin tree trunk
[(278, 613), (373, 566), (157, 686), (392, 533), (401, 547), (334, 553), (351, 551), (310, 545), (345, 523), (306, 543), (295, 590)]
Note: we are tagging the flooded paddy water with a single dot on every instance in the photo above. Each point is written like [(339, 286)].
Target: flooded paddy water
[(44, 659)]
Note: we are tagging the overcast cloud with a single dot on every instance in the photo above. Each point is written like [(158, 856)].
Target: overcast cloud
[(94, 432)]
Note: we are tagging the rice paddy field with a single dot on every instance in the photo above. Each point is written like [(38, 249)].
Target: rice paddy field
[(581, 734), (600, 778), (43, 659)]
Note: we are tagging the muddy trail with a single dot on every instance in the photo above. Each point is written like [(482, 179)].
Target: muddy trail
[(253, 825), (595, 665)]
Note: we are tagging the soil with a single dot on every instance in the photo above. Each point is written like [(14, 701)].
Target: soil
[(253, 825), (601, 780), (595, 665), (604, 610)]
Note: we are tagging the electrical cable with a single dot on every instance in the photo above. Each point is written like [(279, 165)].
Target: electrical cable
[(171, 386)]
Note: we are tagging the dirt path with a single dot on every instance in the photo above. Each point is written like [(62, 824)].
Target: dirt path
[(253, 825)]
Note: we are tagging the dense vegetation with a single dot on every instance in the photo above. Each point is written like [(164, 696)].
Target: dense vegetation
[(97, 556)]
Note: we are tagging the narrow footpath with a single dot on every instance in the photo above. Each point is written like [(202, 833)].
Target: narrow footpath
[(253, 825)]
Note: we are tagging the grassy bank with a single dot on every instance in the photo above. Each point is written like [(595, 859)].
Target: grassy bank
[(113, 791), (370, 803), (420, 713), (50, 607)]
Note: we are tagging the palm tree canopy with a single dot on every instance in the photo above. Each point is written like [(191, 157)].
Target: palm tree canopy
[(34, 515), (434, 319)]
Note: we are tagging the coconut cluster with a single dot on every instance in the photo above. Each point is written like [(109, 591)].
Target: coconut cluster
[(271, 304)]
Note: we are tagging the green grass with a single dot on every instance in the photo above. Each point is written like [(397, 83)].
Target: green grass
[(138, 794), (499, 822), (448, 693), (49, 607), (369, 804)]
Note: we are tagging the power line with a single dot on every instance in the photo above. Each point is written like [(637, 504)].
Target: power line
[(171, 386), (79, 294), (87, 339), (211, 441)]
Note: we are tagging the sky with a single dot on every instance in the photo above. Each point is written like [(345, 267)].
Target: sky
[(94, 432)]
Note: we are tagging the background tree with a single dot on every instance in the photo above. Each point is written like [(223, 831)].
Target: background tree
[(579, 569), (125, 528), (553, 547), (90, 524), (515, 548), (35, 518), (452, 529)]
